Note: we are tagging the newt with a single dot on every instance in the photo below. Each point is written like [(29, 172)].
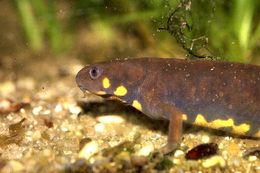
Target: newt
[(215, 94)]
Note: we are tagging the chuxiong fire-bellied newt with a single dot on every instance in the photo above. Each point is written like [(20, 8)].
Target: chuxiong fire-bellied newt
[(214, 94)]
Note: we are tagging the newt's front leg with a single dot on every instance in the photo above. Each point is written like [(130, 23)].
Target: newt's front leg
[(174, 130)]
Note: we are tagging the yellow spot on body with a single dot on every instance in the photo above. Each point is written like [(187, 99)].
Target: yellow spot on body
[(257, 134), (136, 104), (120, 91), (219, 123), (200, 120), (184, 117), (106, 83), (100, 92), (241, 129)]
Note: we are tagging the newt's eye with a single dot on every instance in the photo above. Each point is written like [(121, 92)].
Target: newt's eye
[(95, 72)]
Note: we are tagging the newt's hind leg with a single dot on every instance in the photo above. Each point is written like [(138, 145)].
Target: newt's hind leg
[(174, 130)]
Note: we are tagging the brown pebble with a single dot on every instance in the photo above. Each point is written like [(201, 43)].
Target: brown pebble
[(48, 123), (201, 151), (138, 160)]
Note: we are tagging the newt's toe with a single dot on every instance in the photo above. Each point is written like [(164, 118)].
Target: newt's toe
[(168, 148)]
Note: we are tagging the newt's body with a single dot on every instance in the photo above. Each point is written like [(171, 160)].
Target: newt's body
[(220, 95)]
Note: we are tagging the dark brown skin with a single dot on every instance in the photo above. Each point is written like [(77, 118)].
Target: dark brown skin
[(220, 95)]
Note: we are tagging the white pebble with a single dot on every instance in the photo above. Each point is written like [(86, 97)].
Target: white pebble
[(37, 110), (178, 153), (221, 146), (99, 127), (58, 108), (228, 138), (75, 109), (64, 129), (146, 150), (89, 150), (252, 158), (205, 139), (110, 119)]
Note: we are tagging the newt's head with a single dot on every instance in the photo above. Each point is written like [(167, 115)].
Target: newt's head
[(115, 78)]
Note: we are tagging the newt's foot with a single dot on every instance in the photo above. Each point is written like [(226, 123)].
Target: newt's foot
[(168, 148)]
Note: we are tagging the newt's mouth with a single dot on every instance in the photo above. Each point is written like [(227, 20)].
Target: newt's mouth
[(106, 96), (82, 89), (112, 97)]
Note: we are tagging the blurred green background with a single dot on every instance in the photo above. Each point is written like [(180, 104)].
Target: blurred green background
[(95, 30)]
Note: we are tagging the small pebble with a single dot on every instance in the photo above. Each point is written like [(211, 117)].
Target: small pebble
[(214, 161), (257, 168), (205, 139), (110, 119), (74, 109), (252, 158), (37, 110), (202, 151), (221, 145), (16, 166), (145, 150), (228, 138), (46, 112), (6, 88), (156, 136), (177, 161), (4, 104), (99, 127), (58, 108), (138, 160), (47, 152), (89, 150), (36, 135), (64, 129), (225, 154), (178, 153)]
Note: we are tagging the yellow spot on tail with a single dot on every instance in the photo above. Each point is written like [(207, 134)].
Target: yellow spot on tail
[(184, 117), (120, 91), (257, 134), (136, 104), (106, 83), (240, 129)]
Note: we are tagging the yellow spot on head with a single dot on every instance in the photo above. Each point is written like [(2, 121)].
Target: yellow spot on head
[(106, 83), (136, 104), (218, 123), (120, 91), (184, 117)]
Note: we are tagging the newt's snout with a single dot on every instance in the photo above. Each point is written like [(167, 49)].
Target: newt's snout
[(80, 77)]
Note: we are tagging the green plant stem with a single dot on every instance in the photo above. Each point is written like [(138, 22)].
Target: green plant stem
[(31, 28)]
